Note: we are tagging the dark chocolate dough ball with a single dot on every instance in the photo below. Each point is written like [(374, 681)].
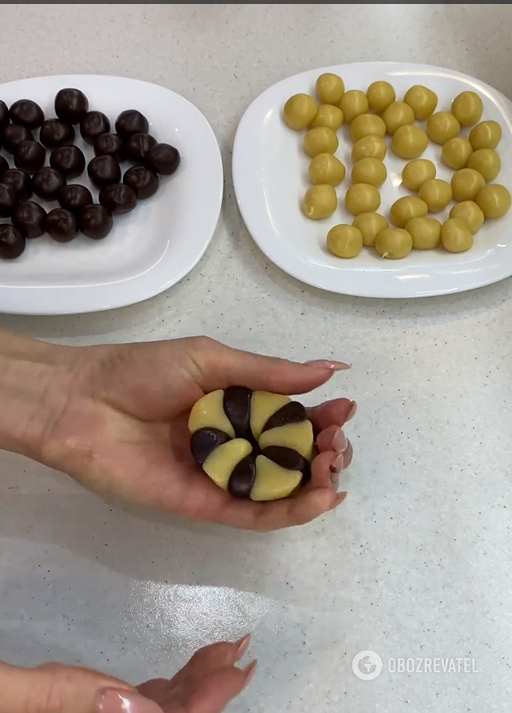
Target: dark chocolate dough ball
[(138, 146), (20, 180), (103, 170), (12, 135), (71, 105), (142, 180), (74, 197), (29, 218), (3, 165), (93, 124), (110, 145), (29, 155), (69, 160), (26, 112), (163, 159), (55, 132), (8, 199), (118, 198), (4, 114), (47, 182), (95, 221), (131, 122), (61, 225), (12, 242)]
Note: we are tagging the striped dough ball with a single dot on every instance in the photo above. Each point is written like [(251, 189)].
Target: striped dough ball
[(254, 444)]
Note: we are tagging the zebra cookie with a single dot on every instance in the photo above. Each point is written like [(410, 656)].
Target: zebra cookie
[(254, 444)]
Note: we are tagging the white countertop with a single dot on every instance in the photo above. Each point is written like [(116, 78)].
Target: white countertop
[(417, 562)]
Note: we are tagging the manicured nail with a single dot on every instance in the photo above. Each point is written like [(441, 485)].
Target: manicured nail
[(327, 364), (340, 497), (242, 644), (249, 671), (337, 463), (352, 412), (125, 702), (339, 443)]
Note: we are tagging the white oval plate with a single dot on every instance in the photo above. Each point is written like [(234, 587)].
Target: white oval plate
[(149, 249), (270, 178)]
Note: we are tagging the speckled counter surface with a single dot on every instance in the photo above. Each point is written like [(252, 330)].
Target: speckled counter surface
[(417, 562)]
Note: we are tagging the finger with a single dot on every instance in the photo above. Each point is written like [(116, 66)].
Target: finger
[(217, 690), (55, 688), (331, 438), (323, 468), (290, 512), (219, 366), (337, 412), (218, 655), (347, 456)]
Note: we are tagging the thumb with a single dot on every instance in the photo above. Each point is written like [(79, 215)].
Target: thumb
[(221, 366), (55, 688)]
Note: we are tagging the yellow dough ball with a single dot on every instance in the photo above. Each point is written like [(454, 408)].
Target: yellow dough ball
[(456, 152), (487, 162), (370, 225), (416, 172), (467, 108), (470, 213), (367, 125), (393, 243), (380, 95), (329, 88), (319, 202), (485, 135), (328, 115), (326, 168), (425, 233), (369, 170), (406, 208), (344, 241), (353, 103), (362, 198), (397, 114), (299, 111), (409, 141), (442, 126), (320, 140), (494, 200), (422, 100), (456, 237), (369, 147), (466, 183), (436, 193)]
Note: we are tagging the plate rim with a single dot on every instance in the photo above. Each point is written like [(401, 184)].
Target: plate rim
[(248, 217), (121, 298)]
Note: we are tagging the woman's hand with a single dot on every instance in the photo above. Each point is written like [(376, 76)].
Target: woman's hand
[(115, 419), (205, 685)]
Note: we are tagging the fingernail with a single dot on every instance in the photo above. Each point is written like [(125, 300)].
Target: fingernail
[(340, 497), (112, 701), (242, 644), (352, 411), (339, 443), (327, 364), (337, 464), (249, 671)]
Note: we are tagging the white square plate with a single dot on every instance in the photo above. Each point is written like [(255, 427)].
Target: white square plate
[(149, 249), (270, 178)]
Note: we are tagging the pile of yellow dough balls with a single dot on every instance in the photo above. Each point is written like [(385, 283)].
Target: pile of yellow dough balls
[(370, 117)]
